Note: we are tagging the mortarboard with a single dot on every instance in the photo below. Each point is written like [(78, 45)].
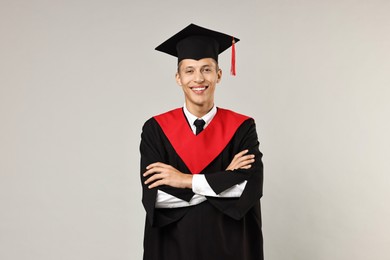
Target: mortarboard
[(195, 42)]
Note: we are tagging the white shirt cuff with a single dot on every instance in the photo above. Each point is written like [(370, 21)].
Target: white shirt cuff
[(165, 200), (202, 187)]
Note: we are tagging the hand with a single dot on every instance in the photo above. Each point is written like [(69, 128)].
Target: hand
[(242, 160), (164, 174)]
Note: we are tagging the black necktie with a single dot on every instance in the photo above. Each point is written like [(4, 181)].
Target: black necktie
[(199, 123)]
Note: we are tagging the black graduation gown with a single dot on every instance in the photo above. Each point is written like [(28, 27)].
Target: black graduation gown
[(219, 228)]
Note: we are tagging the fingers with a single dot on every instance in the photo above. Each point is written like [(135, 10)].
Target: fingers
[(158, 164), (241, 153), (156, 167), (156, 184), (246, 158), (242, 157), (153, 170), (155, 177), (246, 164), (155, 180), (242, 160)]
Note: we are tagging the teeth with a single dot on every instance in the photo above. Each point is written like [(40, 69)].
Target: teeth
[(199, 89)]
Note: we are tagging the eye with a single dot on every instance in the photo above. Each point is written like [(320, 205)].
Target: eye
[(207, 69), (189, 71)]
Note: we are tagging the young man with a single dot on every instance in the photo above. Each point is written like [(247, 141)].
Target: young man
[(201, 167)]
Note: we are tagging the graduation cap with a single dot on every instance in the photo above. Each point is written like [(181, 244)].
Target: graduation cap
[(195, 42)]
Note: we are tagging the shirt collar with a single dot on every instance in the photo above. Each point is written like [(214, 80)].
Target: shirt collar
[(207, 118)]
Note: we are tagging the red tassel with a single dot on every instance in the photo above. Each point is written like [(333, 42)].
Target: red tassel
[(233, 64)]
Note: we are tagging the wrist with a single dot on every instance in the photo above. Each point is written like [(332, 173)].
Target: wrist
[(188, 182)]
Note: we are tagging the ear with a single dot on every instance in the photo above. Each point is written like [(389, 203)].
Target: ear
[(219, 75), (178, 80)]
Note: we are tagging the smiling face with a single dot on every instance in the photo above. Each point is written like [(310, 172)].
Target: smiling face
[(198, 79)]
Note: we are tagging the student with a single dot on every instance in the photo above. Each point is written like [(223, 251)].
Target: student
[(201, 167)]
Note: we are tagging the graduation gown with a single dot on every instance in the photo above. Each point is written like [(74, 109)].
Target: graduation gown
[(219, 228)]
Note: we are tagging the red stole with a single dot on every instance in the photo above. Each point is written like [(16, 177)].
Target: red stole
[(198, 151)]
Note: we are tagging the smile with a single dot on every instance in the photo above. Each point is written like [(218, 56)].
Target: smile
[(199, 89)]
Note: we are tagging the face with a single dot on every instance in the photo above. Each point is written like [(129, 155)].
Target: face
[(198, 79)]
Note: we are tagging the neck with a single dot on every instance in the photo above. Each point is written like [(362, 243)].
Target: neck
[(199, 111)]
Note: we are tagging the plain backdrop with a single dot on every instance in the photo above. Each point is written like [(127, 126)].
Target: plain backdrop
[(78, 78)]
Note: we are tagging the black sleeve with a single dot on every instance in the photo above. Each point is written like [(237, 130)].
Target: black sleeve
[(246, 138), (153, 148)]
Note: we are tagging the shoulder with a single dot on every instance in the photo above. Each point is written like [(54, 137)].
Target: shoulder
[(154, 123), (149, 123), (247, 124), (169, 114), (150, 129), (230, 115)]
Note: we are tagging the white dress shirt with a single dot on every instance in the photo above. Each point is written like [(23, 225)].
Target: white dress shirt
[(200, 186)]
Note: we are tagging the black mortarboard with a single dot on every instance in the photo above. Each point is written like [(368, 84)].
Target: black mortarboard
[(195, 42)]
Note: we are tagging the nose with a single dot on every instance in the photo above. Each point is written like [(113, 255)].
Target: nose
[(198, 77)]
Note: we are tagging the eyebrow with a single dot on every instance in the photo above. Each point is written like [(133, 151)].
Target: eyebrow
[(192, 67)]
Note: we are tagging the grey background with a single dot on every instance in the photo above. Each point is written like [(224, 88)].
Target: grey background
[(79, 78)]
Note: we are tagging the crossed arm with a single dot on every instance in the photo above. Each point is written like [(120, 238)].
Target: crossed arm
[(163, 174)]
